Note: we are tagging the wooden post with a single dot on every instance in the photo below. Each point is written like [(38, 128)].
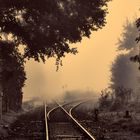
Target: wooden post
[(96, 113), (127, 114)]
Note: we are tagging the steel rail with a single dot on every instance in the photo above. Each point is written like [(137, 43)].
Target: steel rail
[(48, 114), (76, 122), (46, 124), (82, 102), (53, 109)]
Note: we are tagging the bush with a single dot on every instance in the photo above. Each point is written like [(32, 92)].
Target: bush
[(105, 101)]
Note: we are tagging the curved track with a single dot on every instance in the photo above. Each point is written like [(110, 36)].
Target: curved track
[(60, 124)]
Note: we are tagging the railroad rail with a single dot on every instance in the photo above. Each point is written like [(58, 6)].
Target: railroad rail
[(46, 124), (71, 120)]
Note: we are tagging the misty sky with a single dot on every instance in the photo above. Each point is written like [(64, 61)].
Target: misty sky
[(90, 68)]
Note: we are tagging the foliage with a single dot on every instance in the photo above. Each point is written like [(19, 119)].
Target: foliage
[(124, 78), (122, 98), (47, 27), (115, 99), (138, 26), (123, 94), (127, 41), (124, 72), (105, 100), (13, 76), (43, 28), (136, 58)]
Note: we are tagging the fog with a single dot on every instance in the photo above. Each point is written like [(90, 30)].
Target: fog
[(39, 84), (89, 70), (42, 83)]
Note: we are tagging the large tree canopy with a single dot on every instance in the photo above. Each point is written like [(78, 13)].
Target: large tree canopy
[(46, 27), (39, 28)]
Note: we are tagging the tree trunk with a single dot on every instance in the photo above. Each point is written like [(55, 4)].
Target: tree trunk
[(1, 87)]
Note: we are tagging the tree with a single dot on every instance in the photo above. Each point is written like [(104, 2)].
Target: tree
[(129, 34), (138, 26), (123, 71), (105, 100), (136, 58), (47, 27), (13, 77)]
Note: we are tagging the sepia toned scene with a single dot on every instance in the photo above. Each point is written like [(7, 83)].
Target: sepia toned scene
[(69, 69)]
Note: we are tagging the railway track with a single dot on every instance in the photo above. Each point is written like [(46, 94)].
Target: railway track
[(85, 120), (61, 125)]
